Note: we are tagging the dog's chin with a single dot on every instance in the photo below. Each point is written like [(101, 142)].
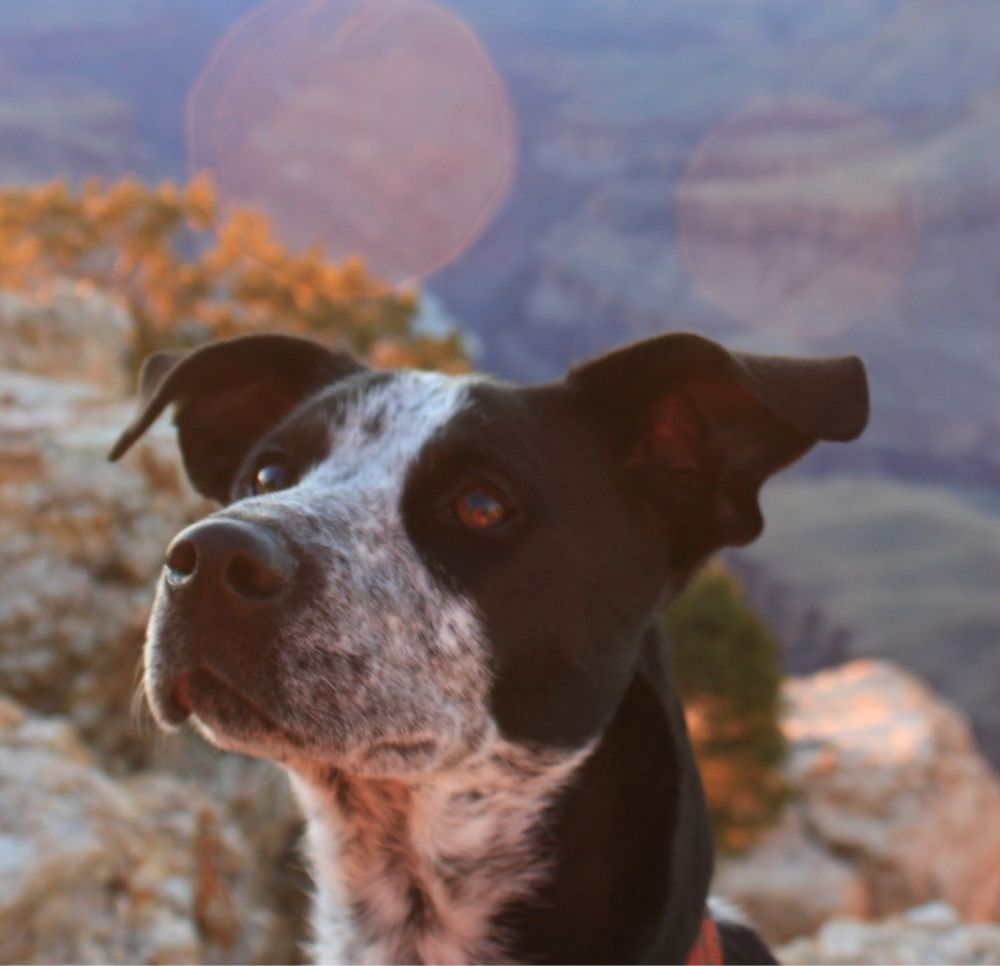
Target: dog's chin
[(232, 721), (402, 759), (224, 716)]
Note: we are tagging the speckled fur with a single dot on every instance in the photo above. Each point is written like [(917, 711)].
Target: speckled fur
[(417, 871), (384, 671)]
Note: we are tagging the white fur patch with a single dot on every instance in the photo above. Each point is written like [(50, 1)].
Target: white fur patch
[(416, 872)]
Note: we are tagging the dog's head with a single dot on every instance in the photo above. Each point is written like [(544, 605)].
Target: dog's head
[(409, 565)]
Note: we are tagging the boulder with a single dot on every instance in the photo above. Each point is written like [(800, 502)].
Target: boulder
[(790, 883), (932, 933), (68, 330), (81, 542), (892, 807), (93, 870)]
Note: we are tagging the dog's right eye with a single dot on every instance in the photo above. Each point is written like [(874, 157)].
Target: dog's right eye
[(480, 506), (272, 475)]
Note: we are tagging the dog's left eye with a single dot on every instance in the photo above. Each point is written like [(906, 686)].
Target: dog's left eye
[(271, 475)]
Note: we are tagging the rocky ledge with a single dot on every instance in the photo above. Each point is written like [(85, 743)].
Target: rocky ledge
[(932, 933), (892, 807), (93, 870)]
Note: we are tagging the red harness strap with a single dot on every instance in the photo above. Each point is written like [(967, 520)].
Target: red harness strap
[(707, 948)]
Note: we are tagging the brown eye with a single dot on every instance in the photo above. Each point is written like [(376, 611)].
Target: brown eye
[(271, 476), (480, 507)]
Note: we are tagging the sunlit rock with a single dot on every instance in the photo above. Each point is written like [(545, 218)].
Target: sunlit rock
[(70, 330), (932, 933), (893, 807), (81, 542), (98, 871)]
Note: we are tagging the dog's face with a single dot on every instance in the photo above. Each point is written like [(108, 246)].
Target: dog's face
[(409, 566)]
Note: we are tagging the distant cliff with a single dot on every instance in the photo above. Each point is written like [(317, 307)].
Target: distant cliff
[(612, 103), (909, 571), (809, 640)]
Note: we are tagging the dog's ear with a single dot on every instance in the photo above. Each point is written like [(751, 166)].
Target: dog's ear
[(227, 395), (702, 427)]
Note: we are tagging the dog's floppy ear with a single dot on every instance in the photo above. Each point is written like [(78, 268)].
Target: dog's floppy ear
[(227, 395), (704, 427)]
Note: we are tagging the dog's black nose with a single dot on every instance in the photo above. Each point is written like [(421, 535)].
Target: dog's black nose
[(238, 565)]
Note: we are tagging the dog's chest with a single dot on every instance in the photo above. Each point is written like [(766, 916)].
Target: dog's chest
[(420, 873)]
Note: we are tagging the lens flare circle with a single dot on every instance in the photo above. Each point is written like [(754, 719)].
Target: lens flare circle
[(798, 215), (374, 127)]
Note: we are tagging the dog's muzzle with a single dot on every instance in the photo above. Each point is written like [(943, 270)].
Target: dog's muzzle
[(223, 579)]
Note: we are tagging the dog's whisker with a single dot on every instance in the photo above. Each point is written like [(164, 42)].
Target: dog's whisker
[(139, 706)]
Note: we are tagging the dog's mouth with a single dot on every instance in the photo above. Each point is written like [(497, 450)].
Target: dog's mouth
[(227, 717), (211, 700)]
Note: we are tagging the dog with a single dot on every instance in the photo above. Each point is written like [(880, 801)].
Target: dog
[(432, 599)]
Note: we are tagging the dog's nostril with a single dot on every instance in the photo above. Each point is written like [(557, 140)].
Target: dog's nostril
[(182, 558), (231, 563), (250, 577)]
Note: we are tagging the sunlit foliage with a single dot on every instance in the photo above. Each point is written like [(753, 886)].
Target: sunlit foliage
[(726, 664), (186, 273)]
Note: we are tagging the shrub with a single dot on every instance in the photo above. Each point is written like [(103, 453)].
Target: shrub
[(726, 663), (186, 274)]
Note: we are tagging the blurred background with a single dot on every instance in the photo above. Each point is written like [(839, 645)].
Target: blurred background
[(513, 187)]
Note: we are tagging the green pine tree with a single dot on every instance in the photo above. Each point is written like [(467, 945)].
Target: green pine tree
[(726, 663)]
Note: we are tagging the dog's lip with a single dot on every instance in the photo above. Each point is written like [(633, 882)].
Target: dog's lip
[(191, 693), (172, 704), (207, 681), (181, 693)]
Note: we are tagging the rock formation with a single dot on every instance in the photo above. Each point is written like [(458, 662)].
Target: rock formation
[(80, 544), (893, 807), (150, 870), (932, 933)]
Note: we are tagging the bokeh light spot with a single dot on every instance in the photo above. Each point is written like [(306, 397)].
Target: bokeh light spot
[(374, 127), (798, 215)]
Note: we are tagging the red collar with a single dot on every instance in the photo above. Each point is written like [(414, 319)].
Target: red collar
[(707, 948)]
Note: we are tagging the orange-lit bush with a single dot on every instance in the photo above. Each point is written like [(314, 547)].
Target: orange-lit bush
[(186, 274)]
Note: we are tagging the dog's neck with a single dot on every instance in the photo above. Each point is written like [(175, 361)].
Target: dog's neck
[(420, 871), (603, 856), (629, 843)]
